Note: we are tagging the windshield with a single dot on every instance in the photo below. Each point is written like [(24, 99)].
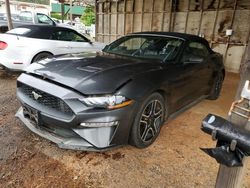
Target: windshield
[(151, 47)]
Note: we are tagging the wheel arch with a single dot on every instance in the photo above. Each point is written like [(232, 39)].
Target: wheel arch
[(32, 60), (166, 97)]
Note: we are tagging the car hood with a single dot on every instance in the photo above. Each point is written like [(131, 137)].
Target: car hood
[(93, 73)]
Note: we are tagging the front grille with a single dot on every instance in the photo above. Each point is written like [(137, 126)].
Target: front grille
[(45, 99)]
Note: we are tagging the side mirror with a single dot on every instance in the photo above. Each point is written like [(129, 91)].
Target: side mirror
[(90, 42), (194, 60)]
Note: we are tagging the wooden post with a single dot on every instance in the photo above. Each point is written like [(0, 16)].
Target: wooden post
[(97, 20), (62, 11), (10, 25), (232, 177), (70, 13)]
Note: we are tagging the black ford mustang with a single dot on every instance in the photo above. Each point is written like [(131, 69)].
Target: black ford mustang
[(122, 95)]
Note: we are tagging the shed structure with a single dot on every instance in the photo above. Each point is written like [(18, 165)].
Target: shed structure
[(208, 18)]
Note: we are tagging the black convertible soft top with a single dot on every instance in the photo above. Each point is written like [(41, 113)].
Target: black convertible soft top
[(41, 31), (174, 34), (185, 36)]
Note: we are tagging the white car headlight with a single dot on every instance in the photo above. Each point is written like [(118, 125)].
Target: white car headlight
[(109, 101)]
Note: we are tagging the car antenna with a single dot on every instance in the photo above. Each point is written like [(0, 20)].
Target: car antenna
[(17, 35)]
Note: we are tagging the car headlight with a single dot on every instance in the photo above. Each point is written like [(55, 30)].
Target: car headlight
[(109, 101)]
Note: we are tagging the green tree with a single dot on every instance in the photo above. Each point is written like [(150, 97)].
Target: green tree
[(88, 16)]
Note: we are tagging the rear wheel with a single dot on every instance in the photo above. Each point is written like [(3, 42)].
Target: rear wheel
[(148, 122), (216, 89), (40, 56)]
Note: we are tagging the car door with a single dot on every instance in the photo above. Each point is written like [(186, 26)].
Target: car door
[(74, 42), (181, 85), (80, 43), (199, 60), (61, 40), (190, 76)]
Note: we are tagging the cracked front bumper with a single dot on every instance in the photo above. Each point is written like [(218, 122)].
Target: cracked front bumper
[(82, 128), (71, 140)]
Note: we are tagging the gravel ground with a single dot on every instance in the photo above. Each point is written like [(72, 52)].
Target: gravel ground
[(174, 160)]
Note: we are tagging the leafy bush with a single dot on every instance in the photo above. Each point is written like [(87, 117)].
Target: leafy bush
[(56, 15), (88, 16)]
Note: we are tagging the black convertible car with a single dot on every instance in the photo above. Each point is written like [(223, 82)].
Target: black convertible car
[(121, 95)]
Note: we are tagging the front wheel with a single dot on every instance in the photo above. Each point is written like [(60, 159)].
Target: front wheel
[(148, 121)]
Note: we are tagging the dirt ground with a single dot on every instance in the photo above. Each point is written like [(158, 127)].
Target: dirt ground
[(174, 160)]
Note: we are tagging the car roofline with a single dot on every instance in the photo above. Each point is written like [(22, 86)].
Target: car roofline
[(158, 35)]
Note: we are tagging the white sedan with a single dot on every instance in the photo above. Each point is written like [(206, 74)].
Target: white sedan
[(24, 45)]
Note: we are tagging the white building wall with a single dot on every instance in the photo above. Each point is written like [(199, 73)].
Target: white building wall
[(17, 6)]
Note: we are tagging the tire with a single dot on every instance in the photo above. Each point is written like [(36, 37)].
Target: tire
[(40, 56), (216, 89), (148, 121)]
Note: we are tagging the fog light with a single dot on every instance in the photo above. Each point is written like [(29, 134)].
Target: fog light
[(99, 124)]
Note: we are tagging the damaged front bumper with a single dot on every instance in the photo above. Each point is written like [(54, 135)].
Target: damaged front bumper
[(67, 143), (87, 139), (79, 127)]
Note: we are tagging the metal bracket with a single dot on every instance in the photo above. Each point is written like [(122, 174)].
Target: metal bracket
[(233, 145), (214, 133)]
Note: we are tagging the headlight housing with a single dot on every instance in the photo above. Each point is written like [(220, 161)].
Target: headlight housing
[(108, 101)]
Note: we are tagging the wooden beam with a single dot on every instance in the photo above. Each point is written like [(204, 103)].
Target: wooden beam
[(163, 15), (142, 14), (245, 67), (186, 22), (109, 21), (97, 20), (124, 13), (215, 21), (116, 27), (174, 16), (231, 25), (201, 15), (151, 22), (232, 177), (133, 16), (170, 15)]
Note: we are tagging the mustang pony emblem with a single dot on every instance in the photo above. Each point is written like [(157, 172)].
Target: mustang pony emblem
[(36, 95)]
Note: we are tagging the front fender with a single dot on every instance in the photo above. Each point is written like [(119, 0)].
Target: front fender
[(143, 85)]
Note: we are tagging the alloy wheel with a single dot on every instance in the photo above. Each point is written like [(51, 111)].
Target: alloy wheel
[(151, 120)]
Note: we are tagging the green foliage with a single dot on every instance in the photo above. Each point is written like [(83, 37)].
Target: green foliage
[(44, 2), (56, 15), (88, 16)]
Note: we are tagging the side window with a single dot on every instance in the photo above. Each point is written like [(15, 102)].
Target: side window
[(44, 19), (26, 17), (195, 50), (67, 36)]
